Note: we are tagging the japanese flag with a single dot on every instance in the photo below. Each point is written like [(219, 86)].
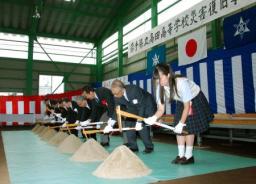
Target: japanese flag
[(192, 47)]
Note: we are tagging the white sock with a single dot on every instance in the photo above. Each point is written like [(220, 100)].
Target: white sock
[(189, 150), (181, 149)]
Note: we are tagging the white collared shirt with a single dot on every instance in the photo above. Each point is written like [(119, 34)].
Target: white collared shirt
[(87, 106), (187, 90), (125, 95), (96, 98)]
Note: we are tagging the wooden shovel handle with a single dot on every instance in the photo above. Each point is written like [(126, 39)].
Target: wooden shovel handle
[(130, 115)]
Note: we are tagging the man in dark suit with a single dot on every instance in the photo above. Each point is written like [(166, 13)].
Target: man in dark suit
[(101, 100), (84, 111), (137, 101), (61, 109), (72, 113), (49, 106)]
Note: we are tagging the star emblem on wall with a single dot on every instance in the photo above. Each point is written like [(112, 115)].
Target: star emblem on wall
[(241, 28), (155, 60)]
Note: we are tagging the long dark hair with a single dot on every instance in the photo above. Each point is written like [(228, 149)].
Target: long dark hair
[(165, 69)]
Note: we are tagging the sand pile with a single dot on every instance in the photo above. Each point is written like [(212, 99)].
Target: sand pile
[(90, 151), (40, 129), (70, 144), (43, 131), (58, 138), (35, 127), (49, 134), (122, 163), (34, 130)]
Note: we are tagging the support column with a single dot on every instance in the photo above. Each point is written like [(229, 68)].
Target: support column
[(120, 47), (65, 81), (154, 13), (29, 67), (34, 17), (99, 69), (216, 34)]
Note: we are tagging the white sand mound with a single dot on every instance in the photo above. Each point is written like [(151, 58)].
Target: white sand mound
[(34, 130), (49, 134), (58, 138), (122, 163), (43, 132), (70, 144), (90, 151), (39, 130), (35, 127)]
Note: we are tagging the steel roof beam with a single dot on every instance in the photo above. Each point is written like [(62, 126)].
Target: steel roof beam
[(98, 4), (122, 10), (75, 11), (48, 35)]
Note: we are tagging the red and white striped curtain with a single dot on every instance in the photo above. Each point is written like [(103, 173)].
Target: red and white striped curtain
[(27, 105)]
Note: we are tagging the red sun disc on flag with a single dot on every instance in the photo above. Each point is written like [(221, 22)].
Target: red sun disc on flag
[(191, 47)]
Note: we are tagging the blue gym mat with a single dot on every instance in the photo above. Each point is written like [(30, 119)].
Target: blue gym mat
[(33, 161)]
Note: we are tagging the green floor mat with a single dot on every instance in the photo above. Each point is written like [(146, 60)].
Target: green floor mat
[(33, 161)]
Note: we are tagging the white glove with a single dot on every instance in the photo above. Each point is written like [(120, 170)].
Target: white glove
[(85, 123), (111, 122), (57, 115), (64, 124), (179, 127), (76, 110), (45, 117), (51, 117), (78, 128), (77, 122), (53, 121), (138, 126), (151, 120), (107, 129), (63, 120)]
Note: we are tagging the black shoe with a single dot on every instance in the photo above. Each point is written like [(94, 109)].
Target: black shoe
[(148, 150), (191, 160), (126, 144), (134, 149), (104, 144), (178, 159)]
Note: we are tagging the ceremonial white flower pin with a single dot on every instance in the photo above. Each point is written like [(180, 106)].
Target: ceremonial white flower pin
[(134, 101)]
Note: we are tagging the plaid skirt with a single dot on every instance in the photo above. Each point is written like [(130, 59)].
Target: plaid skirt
[(198, 122)]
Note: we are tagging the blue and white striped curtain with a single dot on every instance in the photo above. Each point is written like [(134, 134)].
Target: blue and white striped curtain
[(226, 77)]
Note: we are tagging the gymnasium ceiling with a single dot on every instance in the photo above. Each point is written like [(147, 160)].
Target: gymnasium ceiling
[(81, 20)]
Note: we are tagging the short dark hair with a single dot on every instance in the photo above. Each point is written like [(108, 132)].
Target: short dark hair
[(53, 101), (79, 98), (60, 100), (66, 100), (88, 89)]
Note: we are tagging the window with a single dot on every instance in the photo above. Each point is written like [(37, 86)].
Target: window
[(110, 48), (136, 22), (11, 94), (165, 4), (136, 27), (170, 8), (49, 84), (13, 46), (64, 51)]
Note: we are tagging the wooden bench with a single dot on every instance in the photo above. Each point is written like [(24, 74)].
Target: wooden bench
[(227, 121)]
